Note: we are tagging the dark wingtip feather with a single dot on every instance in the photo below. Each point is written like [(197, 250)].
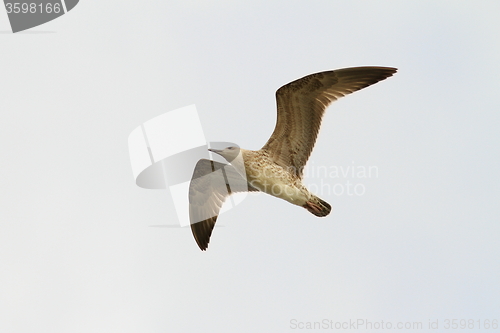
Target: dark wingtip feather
[(202, 231)]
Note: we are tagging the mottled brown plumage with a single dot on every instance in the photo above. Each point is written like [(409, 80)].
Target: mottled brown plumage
[(301, 105), (277, 168)]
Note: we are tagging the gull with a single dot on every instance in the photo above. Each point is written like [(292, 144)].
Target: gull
[(277, 168)]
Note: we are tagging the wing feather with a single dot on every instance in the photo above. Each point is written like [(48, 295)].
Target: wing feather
[(211, 184), (301, 105)]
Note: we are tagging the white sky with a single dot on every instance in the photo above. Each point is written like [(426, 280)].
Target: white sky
[(77, 250)]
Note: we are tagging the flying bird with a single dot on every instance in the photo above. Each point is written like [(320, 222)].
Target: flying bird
[(277, 168)]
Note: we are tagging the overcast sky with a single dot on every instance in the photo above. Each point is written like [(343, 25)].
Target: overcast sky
[(80, 246)]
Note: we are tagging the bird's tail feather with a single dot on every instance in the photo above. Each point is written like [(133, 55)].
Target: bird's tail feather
[(318, 207)]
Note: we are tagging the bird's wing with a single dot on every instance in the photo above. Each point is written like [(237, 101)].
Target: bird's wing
[(211, 184), (301, 105)]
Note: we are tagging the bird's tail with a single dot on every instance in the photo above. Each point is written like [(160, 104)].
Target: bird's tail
[(318, 207)]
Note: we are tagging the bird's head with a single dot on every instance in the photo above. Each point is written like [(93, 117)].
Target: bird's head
[(229, 153)]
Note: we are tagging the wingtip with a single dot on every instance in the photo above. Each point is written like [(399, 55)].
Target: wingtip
[(202, 231), (202, 244), (393, 70), (203, 247)]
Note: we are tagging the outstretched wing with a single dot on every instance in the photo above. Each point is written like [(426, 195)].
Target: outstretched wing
[(211, 184), (301, 105)]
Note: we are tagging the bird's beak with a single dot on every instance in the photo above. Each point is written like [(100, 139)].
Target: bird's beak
[(217, 151)]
